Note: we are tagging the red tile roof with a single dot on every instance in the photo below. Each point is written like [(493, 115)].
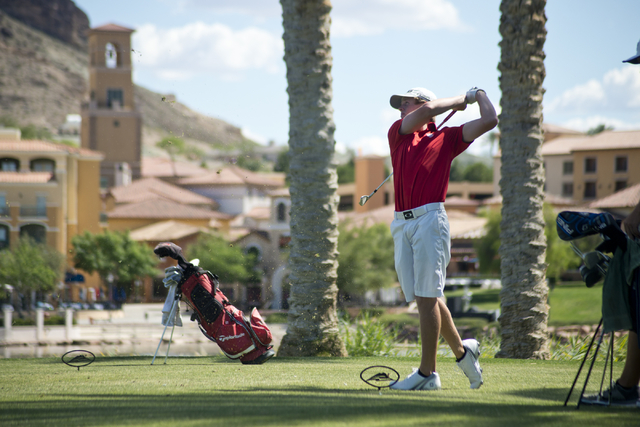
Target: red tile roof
[(112, 27), (164, 209), (163, 167), (36, 146), (627, 198), (154, 189)]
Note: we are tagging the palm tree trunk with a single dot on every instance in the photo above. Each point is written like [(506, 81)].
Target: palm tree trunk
[(312, 323), (524, 309)]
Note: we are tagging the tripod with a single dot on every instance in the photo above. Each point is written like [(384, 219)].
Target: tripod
[(608, 361), (172, 319)]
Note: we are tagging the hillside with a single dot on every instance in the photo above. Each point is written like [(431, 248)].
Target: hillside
[(42, 79)]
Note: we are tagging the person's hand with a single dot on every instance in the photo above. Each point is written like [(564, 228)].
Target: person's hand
[(470, 97)]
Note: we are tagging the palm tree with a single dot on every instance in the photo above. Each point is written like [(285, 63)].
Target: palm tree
[(313, 322), (524, 309)]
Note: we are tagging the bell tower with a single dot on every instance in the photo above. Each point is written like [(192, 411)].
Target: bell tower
[(111, 123)]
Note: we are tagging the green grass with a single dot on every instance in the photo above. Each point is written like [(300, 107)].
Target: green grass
[(571, 303), (205, 391)]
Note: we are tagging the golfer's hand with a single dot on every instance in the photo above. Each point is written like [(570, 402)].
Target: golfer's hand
[(470, 97)]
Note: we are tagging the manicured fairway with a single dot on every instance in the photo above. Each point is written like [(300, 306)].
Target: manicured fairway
[(205, 391)]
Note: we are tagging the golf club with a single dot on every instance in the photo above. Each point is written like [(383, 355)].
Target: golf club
[(364, 199)]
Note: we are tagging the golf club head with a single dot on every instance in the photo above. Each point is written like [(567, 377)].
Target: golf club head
[(363, 200)]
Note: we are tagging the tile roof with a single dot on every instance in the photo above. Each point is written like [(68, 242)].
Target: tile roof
[(37, 146), (153, 189), (112, 27), (164, 209), (608, 140), (234, 175), (165, 231), (25, 177), (163, 167), (627, 198)]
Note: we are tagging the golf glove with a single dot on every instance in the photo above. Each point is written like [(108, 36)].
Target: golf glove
[(172, 276), (470, 98)]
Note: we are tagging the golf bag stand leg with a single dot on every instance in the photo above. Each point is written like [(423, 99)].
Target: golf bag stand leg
[(172, 317), (586, 356)]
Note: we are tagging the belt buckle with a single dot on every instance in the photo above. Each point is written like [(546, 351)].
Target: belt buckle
[(408, 214)]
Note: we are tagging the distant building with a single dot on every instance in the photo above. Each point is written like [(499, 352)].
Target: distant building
[(111, 123), (51, 193)]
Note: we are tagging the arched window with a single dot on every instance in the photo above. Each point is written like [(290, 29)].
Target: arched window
[(36, 231), (43, 165), (4, 236), (9, 164), (255, 252), (110, 56), (282, 212)]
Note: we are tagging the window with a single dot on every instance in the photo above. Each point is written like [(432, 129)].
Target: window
[(621, 163), (567, 168), (42, 165), (36, 231), (589, 190), (110, 56), (4, 236), (590, 165), (4, 208), (282, 212), (115, 97), (620, 185), (41, 206), (567, 189), (9, 165)]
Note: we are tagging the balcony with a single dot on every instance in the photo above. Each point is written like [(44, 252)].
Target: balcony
[(33, 211)]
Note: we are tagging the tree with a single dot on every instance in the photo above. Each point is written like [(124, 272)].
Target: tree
[(366, 258), (478, 172), (598, 129), (559, 256), (174, 146), (30, 266), (524, 309), (313, 321), (225, 260), (115, 255)]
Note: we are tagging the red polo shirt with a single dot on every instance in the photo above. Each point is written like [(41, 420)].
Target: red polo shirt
[(422, 163)]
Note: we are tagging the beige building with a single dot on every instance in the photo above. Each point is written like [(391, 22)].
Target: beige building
[(50, 192), (585, 168), (111, 123)]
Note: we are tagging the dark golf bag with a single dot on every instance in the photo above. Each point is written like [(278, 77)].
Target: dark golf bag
[(239, 337)]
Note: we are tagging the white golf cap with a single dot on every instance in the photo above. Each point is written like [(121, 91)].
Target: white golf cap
[(416, 92), (636, 58)]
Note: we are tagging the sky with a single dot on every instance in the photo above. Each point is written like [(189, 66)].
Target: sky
[(224, 59)]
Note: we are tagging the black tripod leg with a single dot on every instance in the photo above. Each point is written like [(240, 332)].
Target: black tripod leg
[(582, 364), (593, 361)]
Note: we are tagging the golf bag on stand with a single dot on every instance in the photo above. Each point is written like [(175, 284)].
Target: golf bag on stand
[(576, 225), (239, 337)]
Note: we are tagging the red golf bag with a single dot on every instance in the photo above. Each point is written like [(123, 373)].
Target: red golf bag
[(239, 337)]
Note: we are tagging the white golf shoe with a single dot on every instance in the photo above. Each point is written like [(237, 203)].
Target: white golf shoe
[(415, 381), (469, 363)]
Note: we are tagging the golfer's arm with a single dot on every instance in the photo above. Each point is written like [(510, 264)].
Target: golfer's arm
[(487, 121), (420, 117)]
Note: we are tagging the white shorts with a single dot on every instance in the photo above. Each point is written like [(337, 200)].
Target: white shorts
[(422, 250)]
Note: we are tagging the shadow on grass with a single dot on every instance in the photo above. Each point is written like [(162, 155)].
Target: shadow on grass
[(299, 405)]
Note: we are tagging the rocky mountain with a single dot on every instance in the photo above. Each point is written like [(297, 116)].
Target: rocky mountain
[(44, 74)]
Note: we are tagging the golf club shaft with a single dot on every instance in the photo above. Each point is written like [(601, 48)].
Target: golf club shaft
[(378, 187)]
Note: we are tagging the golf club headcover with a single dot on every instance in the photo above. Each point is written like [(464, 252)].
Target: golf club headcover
[(470, 97), (575, 225), (171, 250), (590, 276)]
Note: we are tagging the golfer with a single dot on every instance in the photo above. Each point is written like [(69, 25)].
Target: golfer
[(421, 157)]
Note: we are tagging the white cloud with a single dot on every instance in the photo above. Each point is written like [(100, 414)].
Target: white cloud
[(357, 18), (371, 145), (258, 8), (199, 48), (619, 89)]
